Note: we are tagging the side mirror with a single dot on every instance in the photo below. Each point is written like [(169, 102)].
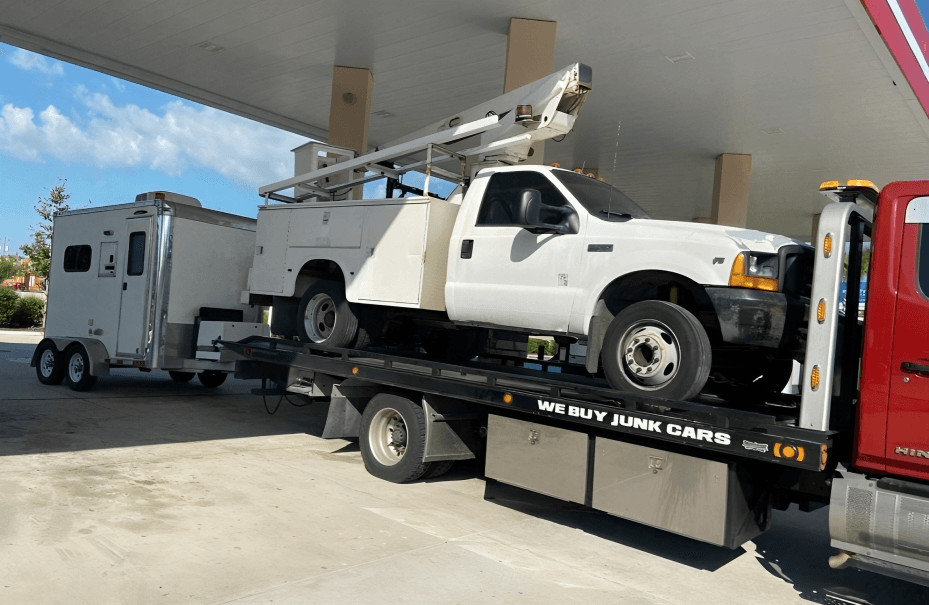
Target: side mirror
[(530, 214)]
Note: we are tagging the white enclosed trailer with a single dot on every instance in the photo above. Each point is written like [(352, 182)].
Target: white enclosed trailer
[(146, 285)]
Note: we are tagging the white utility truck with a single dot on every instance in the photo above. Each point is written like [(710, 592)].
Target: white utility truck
[(664, 306), (146, 285)]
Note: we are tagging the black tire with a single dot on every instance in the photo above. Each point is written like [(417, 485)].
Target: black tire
[(635, 361), (454, 346), (438, 468), (336, 319), (77, 369), (211, 378), (49, 367), (181, 376), (383, 412)]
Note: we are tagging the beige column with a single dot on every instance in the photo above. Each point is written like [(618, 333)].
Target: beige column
[(350, 111), (530, 56), (730, 190)]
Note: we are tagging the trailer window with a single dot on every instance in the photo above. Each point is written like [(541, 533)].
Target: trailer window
[(77, 259), (500, 204), (922, 261), (136, 262)]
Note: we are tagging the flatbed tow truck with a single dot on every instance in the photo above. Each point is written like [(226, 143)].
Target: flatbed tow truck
[(856, 438)]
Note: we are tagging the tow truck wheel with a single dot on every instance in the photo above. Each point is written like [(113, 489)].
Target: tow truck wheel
[(325, 317), (50, 368), (77, 369), (181, 376), (211, 378), (657, 348), (393, 439)]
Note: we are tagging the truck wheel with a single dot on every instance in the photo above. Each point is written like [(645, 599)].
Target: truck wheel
[(211, 378), (49, 369), (393, 439), (77, 369), (181, 376), (324, 316), (657, 348)]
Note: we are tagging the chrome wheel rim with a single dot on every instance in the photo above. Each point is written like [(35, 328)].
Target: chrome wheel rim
[(650, 354), (76, 367), (319, 319), (47, 363), (387, 437)]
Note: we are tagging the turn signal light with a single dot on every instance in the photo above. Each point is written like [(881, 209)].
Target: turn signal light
[(814, 378), (790, 452), (823, 456), (507, 398), (827, 245), (354, 370), (821, 311), (861, 183), (738, 277), (826, 185)]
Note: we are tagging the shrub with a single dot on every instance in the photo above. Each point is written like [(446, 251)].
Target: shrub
[(547, 345), (29, 311), (8, 301)]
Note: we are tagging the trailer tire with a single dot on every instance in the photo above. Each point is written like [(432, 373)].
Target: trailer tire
[(49, 365), (393, 438), (657, 348), (325, 317), (77, 369), (211, 378), (181, 376)]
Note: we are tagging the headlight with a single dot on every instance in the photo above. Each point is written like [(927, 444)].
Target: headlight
[(754, 270)]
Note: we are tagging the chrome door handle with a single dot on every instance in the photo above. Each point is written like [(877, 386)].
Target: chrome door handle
[(915, 368)]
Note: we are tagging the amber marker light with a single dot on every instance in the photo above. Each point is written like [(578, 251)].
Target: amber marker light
[(739, 279), (827, 245), (507, 398), (861, 183), (354, 370), (556, 165), (821, 311), (827, 185), (823, 456), (814, 378)]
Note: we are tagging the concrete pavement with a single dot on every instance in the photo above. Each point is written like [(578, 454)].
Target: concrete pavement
[(147, 491)]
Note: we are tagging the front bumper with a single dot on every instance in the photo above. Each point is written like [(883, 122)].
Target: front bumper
[(765, 319)]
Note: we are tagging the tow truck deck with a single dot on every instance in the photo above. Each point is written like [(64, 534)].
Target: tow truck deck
[(571, 401)]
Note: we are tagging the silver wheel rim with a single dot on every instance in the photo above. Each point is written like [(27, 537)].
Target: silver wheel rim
[(387, 437), (320, 318), (76, 367), (650, 354), (47, 363)]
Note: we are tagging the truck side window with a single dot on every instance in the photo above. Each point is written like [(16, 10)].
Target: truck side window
[(136, 263), (922, 261), (77, 259), (499, 206)]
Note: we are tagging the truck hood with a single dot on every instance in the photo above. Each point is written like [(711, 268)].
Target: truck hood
[(744, 239)]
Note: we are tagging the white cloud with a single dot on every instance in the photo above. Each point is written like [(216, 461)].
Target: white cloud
[(28, 61), (176, 138), (118, 84)]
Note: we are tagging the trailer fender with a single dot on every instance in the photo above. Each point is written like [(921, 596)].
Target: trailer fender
[(96, 352), (599, 322), (346, 405)]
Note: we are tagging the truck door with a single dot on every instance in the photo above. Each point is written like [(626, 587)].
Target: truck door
[(133, 305), (506, 275), (908, 413)]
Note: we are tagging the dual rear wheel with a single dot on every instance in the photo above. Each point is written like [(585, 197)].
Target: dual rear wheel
[(71, 365)]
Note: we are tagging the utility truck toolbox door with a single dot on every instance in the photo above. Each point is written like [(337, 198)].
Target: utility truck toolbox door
[(133, 310)]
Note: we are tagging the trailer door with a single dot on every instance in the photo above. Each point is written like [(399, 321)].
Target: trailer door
[(908, 417), (133, 306)]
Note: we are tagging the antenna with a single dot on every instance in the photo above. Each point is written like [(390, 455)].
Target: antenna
[(609, 204)]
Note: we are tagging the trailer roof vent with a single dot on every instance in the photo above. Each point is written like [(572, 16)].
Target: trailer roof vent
[(167, 196)]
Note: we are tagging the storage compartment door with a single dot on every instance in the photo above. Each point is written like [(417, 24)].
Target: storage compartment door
[(136, 290), (393, 244), (267, 273)]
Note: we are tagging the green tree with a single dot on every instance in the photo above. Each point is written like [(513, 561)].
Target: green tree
[(40, 250), (10, 266)]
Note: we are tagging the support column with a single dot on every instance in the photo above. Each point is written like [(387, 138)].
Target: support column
[(530, 56), (730, 190), (350, 110)]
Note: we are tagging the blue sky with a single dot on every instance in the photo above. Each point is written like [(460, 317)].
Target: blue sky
[(112, 139)]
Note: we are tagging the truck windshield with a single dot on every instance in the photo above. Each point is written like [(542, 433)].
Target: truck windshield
[(596, 196)]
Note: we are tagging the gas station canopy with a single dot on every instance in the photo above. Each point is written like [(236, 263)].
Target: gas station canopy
[(813, 90)]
